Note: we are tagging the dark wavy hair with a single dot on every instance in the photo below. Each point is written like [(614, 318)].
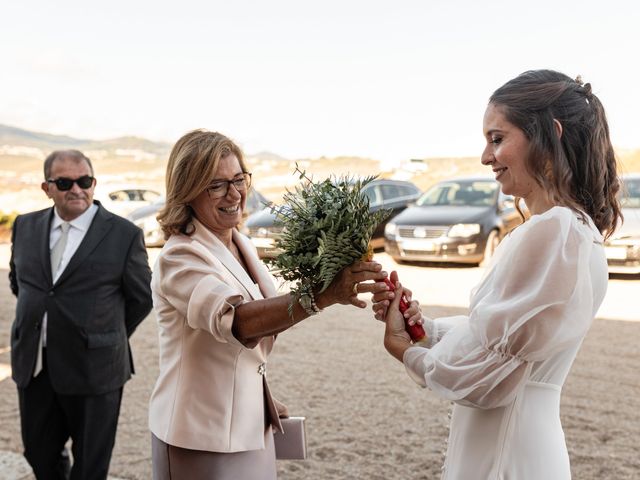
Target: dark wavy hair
[(577, 168)]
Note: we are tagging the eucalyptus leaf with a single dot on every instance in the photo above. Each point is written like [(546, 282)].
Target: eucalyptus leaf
[(327, 226)]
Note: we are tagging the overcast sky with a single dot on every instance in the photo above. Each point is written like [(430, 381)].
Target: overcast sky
[(387, 80)]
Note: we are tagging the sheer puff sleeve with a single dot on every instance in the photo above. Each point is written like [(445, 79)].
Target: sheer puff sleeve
[(535, 301), (191, 282)]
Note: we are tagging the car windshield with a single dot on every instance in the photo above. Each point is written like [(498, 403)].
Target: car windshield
[(470, 193), (631, 193)]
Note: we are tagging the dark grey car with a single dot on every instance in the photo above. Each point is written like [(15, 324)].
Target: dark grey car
[(395, 195), (460, 220)]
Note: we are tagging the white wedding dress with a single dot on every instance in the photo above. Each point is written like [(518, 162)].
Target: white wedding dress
[(505, 364)]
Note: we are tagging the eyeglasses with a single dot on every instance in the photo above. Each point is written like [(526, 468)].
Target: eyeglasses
[(64, 184), (220, 188)]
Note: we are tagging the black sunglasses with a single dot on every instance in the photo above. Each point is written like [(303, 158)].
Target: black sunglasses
[(64, 184)]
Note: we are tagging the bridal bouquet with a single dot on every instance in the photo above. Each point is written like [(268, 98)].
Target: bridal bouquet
[(327, 226)]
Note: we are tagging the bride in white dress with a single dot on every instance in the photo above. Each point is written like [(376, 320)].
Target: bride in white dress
[(504, 365)]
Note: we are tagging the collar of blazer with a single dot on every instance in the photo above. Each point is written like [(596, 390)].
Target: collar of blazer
[(100, 225), (266, 289)]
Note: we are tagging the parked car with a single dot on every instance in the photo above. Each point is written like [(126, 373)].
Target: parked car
[(124, 199), (459, 221), (395, 195), (623, 248), (145, 217)]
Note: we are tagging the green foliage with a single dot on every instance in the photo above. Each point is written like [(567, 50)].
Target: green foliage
[(7, 219), (327, 226)]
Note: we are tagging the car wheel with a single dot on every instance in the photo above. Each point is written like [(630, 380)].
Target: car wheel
[(492, 242)]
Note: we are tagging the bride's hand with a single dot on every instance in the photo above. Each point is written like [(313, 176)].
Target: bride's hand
[(395, 326), (396, 338), (383, 296), (413, 314)]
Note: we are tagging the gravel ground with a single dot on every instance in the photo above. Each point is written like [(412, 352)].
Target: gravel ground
[(366, 418)]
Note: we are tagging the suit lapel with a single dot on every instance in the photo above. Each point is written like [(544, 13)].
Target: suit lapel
[(255, 266), (44, 226), (230, 262), (99, 227)]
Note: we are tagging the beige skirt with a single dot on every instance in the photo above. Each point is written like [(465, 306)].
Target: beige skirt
[(175, 463)]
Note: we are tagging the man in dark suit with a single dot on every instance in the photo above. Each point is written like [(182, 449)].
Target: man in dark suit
[(81, 277)]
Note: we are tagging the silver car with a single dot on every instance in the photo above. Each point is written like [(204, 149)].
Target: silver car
[(145, 217), (623, 248)]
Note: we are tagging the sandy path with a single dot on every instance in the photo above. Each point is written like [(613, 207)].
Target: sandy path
[(366, 419)]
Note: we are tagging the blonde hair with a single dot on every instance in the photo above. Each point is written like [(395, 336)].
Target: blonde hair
[(192, 165)]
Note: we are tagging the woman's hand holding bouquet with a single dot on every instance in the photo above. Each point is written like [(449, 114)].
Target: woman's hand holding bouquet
[(327, 226)]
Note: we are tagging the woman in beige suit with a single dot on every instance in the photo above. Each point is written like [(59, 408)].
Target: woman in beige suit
[(211, 413)]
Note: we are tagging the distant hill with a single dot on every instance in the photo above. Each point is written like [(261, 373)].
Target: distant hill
[(268, 156), (46, 141), (138, 160), (18, 136), (21, 142), (135, 159), (629, 161)]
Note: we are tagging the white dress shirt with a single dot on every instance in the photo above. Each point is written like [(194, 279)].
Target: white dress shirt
[(79, 227)]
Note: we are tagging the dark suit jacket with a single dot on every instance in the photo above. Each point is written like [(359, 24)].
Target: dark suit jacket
[(92, 309)]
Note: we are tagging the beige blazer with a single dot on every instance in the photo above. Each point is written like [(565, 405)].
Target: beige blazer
[(211, 391)]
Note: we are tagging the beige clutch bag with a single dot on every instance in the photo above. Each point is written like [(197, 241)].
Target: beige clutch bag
[(292, 444)]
